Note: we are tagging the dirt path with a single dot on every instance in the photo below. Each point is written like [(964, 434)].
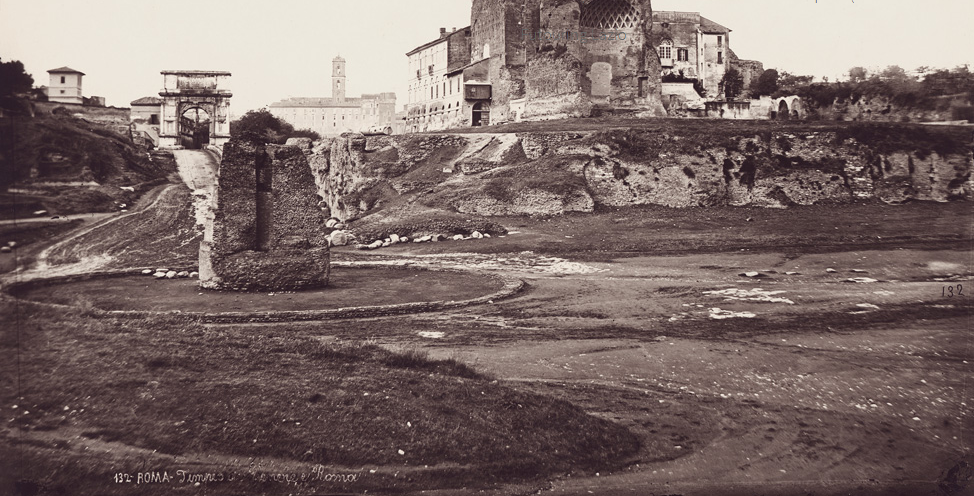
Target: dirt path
[(880, 408)]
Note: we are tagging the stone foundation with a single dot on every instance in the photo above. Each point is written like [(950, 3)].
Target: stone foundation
[(267, 231)]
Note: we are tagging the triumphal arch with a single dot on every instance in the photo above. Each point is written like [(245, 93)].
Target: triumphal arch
[(195, 109)]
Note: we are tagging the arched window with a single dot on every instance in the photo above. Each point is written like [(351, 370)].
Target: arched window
[(609, 14), (666, 49)]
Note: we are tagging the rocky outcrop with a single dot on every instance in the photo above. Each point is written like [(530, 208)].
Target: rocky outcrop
[(550, 173)]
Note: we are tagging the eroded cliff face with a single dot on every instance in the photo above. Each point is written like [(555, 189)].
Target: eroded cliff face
[(558, 172)]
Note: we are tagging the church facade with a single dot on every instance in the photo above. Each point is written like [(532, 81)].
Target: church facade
[(339, 113)]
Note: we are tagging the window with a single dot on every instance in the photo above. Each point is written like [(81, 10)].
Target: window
[(62, 80), (683, 54), (666, 50), (720, 41), (720, 57), (62, 92)]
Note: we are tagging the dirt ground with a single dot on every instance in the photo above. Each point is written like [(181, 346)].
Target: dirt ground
[(815, 351)]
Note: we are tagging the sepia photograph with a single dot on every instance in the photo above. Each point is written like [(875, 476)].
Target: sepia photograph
[(486, 247)]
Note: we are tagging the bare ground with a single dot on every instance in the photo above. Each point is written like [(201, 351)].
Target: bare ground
[(802, 383)]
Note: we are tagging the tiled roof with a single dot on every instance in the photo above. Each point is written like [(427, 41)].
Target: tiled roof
[(446, 37), (65, 69), (147, 100), (708, 26)]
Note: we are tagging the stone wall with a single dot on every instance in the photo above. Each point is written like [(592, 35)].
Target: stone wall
[(267, 231), (547, 173)]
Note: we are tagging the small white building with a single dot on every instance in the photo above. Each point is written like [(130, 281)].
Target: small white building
[(65, 86)]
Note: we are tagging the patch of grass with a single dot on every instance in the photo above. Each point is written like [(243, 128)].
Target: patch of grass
[(194, 389)]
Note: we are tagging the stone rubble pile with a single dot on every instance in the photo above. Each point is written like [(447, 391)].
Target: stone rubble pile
[(164, 273), (394, 239)]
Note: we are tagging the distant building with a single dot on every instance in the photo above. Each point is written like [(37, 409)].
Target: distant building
[(147, 109), (436, 83), (692, 46), (338, 114), (65, 86)]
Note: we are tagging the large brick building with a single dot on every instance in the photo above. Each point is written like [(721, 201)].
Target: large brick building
[(338, 114), (537, 60)]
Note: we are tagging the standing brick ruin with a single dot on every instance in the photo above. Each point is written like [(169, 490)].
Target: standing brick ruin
[(267, 232)]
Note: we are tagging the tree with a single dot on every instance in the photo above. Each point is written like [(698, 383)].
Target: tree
[(732, 84), (765, 84), (858, 74), (791, 82), (261, 126), (14, 79), (305, 133)]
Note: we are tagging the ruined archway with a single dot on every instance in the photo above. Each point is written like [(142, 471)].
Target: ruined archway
[(194, 127), (187, 96), (783, 113)]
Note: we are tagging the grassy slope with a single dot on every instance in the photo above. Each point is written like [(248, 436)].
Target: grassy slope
[(84, 151)]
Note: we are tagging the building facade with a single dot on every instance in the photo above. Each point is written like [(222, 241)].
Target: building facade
[(65, 86), (435, 98), (530, 60), (339, 113), (692, 47)]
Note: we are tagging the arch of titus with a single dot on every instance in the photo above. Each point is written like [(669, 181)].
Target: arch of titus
[(186, 91)]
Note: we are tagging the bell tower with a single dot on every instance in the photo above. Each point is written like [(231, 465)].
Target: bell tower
[(338, 79)]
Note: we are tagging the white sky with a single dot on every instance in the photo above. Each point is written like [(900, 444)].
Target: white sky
[(282, 48)]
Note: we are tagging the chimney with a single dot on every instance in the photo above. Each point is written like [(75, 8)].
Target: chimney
[(442, 32), (454, 29)]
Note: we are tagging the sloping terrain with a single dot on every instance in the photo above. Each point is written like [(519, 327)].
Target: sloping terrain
[(545, 169), (66, 165)]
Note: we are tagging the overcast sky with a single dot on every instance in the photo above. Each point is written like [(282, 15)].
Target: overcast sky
[(282, 48)]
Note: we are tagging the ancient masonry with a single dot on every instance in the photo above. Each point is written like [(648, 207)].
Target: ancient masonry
[(537, 60), (267, 232)]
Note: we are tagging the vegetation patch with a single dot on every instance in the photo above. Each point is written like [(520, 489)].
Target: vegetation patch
[(249, 392)]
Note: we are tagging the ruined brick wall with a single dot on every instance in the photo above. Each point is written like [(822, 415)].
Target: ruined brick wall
[(267, 232)]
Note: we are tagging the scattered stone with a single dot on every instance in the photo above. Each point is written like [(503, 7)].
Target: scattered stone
[(426, 238), (476, 235), (404, 239), (11, 243), (385, 244), (393, 238), (171, 274), (340, 225), (162, 270), (718, 314), (5, 249), (375, 244), (147, 272), (159, 275), (752, 274), (791, 273), (183, 274), (457, 237), (338, 238), (418, 240), (867, 305), (830, 270), (40, 212), (330, 223), (194, 275), (859, 271), (436, 238), (486, 235), (861, 280)]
